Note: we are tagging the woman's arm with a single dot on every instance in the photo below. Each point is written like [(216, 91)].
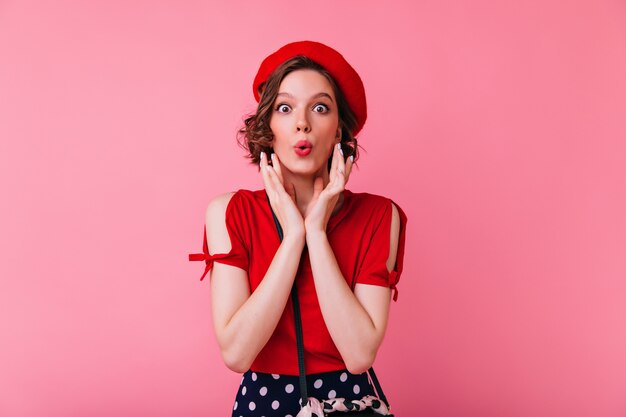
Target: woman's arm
[(356, 321), (244, 322)]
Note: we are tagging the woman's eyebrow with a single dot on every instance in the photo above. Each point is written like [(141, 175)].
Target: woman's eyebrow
[(314, 97)]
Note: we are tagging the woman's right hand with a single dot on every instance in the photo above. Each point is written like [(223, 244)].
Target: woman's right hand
[(282, 198)]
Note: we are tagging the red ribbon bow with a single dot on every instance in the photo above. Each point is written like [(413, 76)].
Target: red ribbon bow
[(393, 278), (208, 258)]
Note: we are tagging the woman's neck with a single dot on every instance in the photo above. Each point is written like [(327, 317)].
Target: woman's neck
[(304, 187)]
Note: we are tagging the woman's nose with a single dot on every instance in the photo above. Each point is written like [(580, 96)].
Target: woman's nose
[(302, 125)]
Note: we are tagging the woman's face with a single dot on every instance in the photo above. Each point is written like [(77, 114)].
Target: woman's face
[(305, 113)]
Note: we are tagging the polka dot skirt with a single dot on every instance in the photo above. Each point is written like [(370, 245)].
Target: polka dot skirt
[(268, 395)]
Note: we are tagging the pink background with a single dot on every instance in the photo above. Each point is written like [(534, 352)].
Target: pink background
[(500, 128)]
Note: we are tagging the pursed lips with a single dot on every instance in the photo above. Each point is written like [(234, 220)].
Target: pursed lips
[(303, 144)]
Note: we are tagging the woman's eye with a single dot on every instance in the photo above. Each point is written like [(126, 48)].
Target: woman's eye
[(323, 107), (282, 108)]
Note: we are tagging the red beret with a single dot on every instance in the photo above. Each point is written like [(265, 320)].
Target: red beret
[(346, 77)]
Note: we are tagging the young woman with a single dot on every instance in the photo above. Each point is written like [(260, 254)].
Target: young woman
[(343, 250)]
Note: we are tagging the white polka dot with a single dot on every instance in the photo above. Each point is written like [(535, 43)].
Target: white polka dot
[(252, 405), (318, 384), (289, 388), (332, 394), (243, 391), (356, 389), (263, 391), (343, 377), (254, 376), (275, 376), (235, 407), (275, 405)]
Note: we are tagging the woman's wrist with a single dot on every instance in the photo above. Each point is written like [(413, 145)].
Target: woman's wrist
[(294, 238), (313, 235)]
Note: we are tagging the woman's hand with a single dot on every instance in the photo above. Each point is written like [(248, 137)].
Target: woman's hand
[(324, 199), (282, 198)]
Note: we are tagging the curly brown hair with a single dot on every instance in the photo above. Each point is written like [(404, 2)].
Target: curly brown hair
[(256, 135)]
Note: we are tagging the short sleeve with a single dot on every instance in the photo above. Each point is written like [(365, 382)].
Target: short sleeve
[(373, 269), (236, 224)]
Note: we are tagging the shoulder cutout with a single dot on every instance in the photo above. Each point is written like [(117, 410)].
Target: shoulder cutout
[(215, 220), (393, 238), (224, 236)]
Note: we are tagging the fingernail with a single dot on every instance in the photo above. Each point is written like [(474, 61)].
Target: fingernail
[(352, 158), (340, 150), (262, 154)]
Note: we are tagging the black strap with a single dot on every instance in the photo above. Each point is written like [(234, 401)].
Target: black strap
[(296, 312)]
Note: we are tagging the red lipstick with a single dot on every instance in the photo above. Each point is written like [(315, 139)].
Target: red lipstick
[(303, 147)]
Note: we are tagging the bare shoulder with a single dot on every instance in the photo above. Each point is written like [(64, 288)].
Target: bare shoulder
[(218, 240), (394, 237), (220, 202), (395, 220)]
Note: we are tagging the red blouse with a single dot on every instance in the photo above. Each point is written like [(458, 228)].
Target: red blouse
[(359, 234)]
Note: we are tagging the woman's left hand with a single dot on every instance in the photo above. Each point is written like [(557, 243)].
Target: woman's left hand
[(324, 199)]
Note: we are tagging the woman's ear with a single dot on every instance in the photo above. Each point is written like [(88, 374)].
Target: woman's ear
[(339, 134)]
